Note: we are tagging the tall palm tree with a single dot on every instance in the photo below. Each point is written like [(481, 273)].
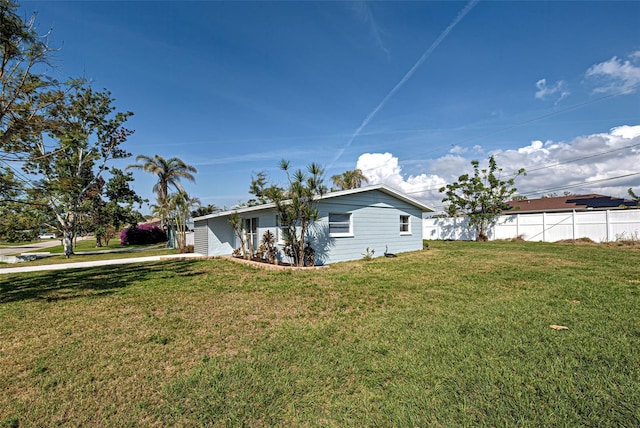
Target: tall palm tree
[(169, 171), (180, 205), (351, 179)]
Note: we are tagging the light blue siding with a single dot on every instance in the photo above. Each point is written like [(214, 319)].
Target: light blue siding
[(375, 218), (266, 221), (220, 236), (215, 237), (375, 224)]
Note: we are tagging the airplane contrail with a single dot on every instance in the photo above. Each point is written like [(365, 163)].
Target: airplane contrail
[(406, 77)]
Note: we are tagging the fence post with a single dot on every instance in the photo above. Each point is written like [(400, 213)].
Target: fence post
[(608, 221), (574, 227)]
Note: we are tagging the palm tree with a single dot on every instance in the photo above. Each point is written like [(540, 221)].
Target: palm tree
[(169, 172), (351, 179), (180, 205)]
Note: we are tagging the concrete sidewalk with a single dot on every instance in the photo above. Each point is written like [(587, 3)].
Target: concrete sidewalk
[(95, 263)]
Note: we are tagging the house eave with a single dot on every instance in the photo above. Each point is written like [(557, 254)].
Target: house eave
[(381, 187)]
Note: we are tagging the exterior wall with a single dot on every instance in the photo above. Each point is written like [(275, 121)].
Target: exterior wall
[(599, 226), (220, 237), (375, 219), (266, 221), (215, 237)]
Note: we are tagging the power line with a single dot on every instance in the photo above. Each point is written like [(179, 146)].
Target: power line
[(582, 158), (551, 166), (571, 186), (530, 121)]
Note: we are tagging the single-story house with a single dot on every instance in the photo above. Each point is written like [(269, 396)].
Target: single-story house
[(568, 203), (352, 223)]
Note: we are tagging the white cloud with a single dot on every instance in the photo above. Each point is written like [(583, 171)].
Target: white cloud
[(585, 164), (626, 131), (557, 90), (536, 146), (616, 76), (458, 150), (383, 168), (578, 166)]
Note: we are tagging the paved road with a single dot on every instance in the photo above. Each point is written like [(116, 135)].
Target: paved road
[(77, 265), (40, 245)]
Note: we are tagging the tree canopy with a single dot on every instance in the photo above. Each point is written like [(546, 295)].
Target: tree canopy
[(169, 172), (481, 197), (56, 138), (351, 179), (296, 206), (70, 164), (25, 93)]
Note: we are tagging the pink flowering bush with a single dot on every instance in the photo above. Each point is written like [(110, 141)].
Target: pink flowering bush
[(142, 234)]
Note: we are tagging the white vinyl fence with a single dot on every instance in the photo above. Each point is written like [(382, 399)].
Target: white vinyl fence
[(599, 226)]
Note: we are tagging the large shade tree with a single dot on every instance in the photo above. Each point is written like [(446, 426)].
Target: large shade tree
[(70, 163), (61, 135), (22, 88), (26, 92)]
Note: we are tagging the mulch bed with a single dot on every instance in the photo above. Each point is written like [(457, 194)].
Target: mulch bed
[(262, 264)]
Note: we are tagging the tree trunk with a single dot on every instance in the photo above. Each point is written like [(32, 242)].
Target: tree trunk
[(300, 249), (482, 235), (67, 242)]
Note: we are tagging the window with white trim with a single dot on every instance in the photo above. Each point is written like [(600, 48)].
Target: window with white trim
[(405, 225), (340, 224)]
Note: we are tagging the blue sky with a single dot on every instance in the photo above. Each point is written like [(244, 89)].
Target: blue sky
[(410, 92)]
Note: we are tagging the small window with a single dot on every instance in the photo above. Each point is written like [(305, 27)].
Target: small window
[(340, 224), (405, 225), (281, 229)]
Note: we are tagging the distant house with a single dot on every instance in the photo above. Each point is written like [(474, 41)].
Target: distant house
[(350, 222), (568, 203)]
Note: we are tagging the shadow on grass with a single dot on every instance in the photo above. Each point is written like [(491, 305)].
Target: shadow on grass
[(84, 282)]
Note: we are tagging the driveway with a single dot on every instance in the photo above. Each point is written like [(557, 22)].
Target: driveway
[(34, 246), (95, 263)]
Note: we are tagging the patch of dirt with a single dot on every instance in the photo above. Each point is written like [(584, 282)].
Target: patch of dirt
[(580, 241), (630, 243), (262, 264)]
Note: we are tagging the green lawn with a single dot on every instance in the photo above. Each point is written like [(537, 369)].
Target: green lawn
[(457, 335)]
